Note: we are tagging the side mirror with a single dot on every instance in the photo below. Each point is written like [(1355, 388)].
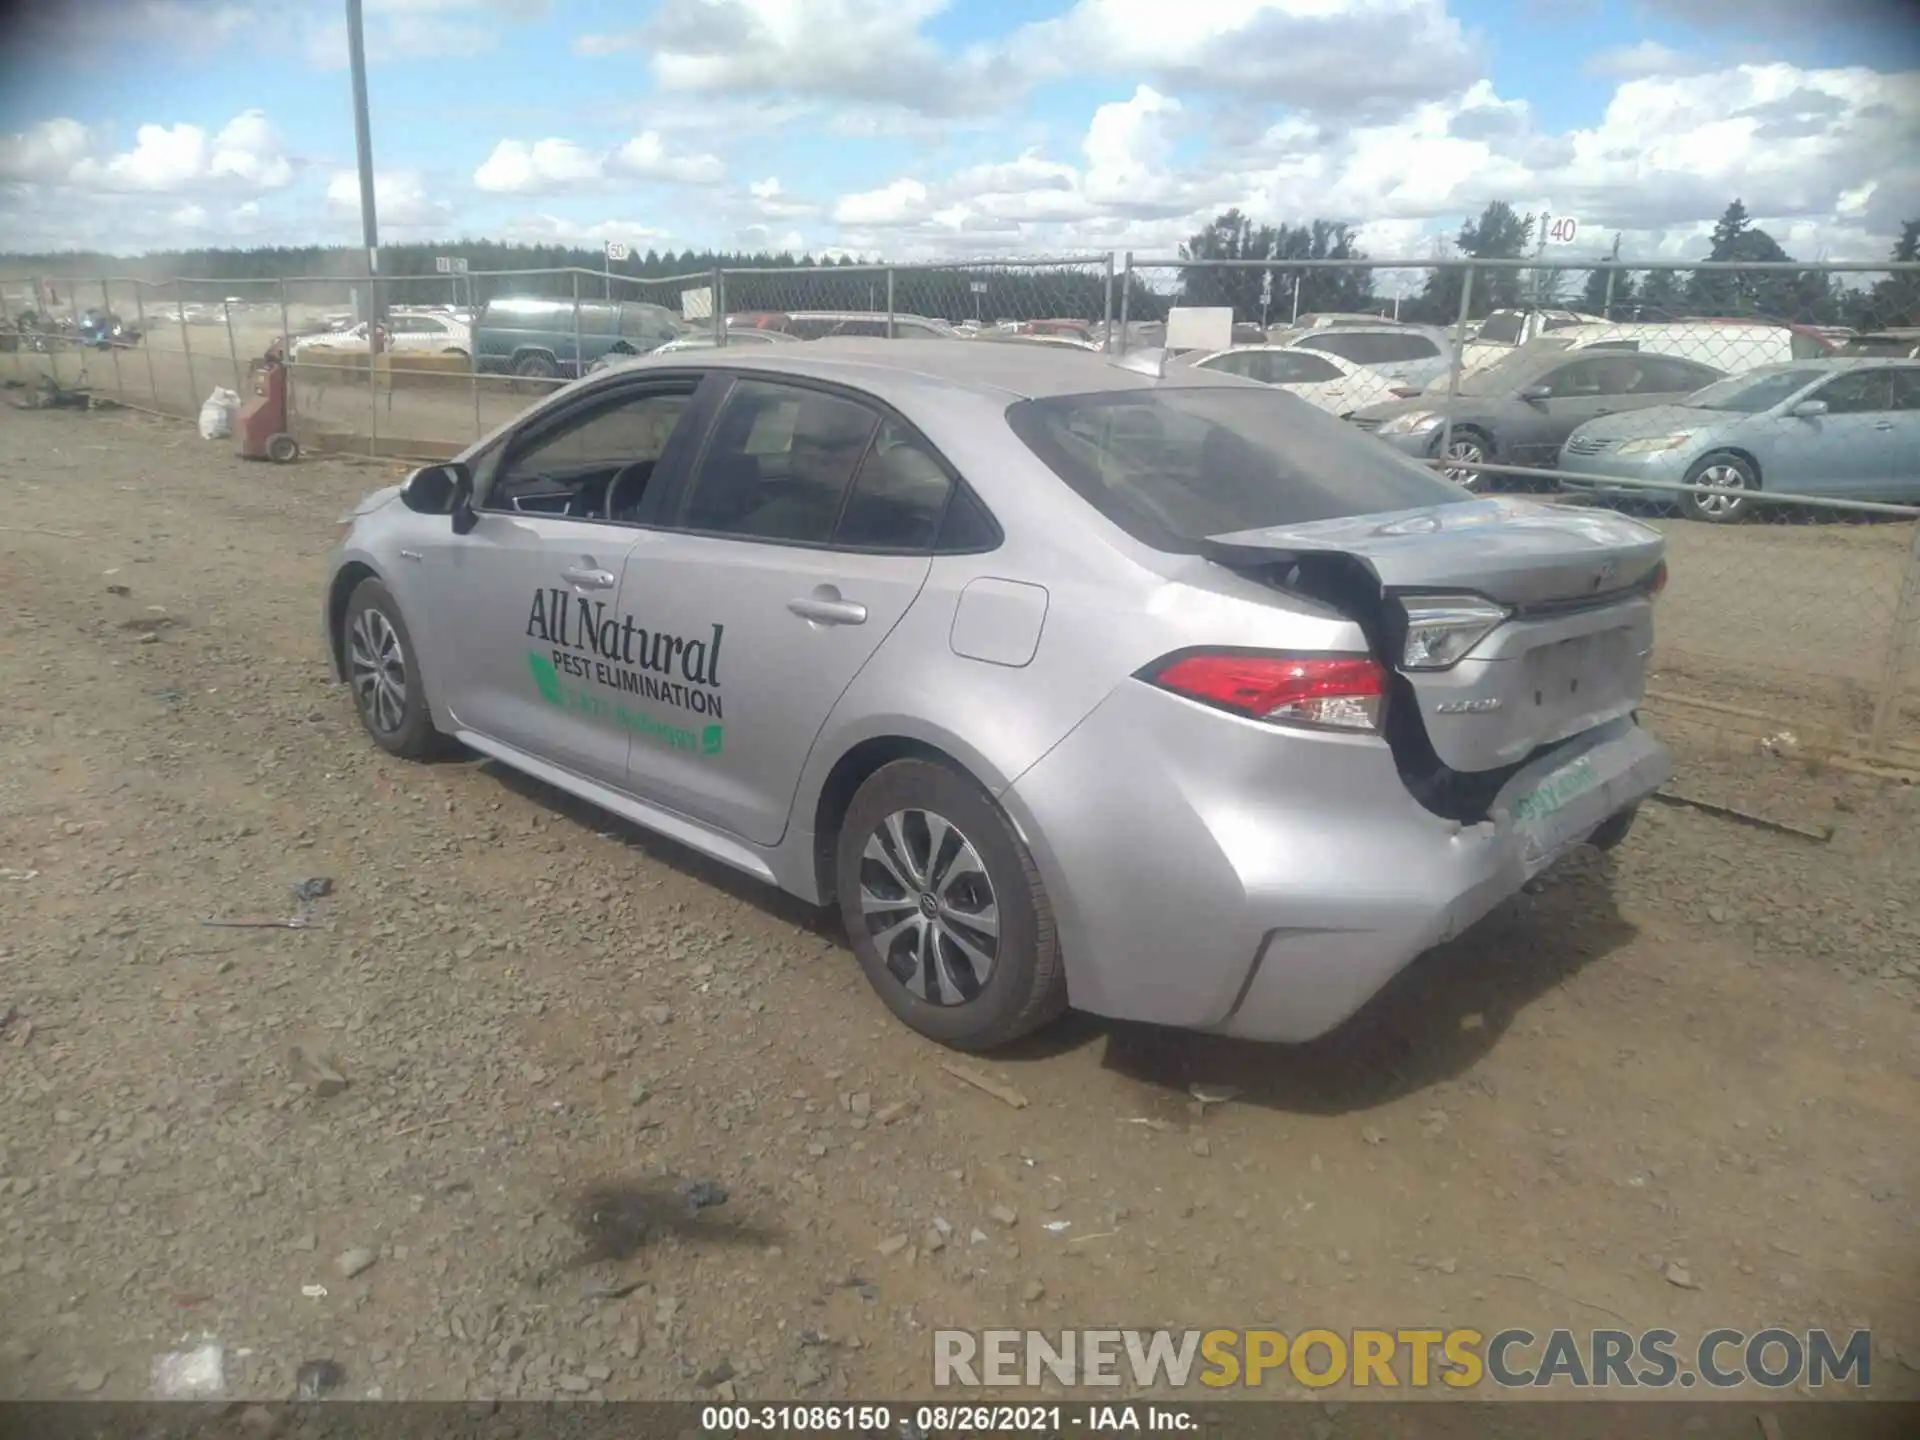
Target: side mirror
[(1534, 394), (1808, 409), (442, 490)]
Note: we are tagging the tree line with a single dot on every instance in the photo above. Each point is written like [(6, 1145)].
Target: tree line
[(1264, 294), (1615, 291)]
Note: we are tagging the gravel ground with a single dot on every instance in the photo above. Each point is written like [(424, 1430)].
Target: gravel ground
[(1669, 1087)]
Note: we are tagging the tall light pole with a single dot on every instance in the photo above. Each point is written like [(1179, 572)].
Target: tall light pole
[(363, 144)]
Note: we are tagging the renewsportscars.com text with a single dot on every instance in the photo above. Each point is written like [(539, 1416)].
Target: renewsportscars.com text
[(1414, 1358)]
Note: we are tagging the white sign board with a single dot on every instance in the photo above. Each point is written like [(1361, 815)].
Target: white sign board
[(1266, 287), (1200, 327), (979, 287), (450, 264), (617, 250), (1562, 230), (697, 304)]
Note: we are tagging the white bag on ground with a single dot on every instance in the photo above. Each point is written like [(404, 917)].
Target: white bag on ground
[(216, 416)]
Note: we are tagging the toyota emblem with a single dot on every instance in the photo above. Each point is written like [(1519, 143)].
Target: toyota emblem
[(1604, 575)]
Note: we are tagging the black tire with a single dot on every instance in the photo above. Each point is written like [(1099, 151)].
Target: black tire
[(530, 372), (1025, 986), (282, 449), (372, 613), (1727, 472), (1465, 445), (1614, 829)]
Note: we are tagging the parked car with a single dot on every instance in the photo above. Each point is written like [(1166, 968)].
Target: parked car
[(1416, 354), (1900, 343), (1324, 319), (1067, 680), (823, 324), (1728, 345), (103, 330), (541, 339), (406, 333), (1521, 411), (1327, 382), (1846, 428), (1504, 331)]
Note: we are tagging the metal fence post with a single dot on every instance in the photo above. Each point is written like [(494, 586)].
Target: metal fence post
[(579, 358), (1458, 360), (1126, 299), (233, 349), (716, 294), (890, 302), (186, 344), (376, 347), (1606, 305), (7, 325), (146, 340), (113, 347), (1106, 309), (286, 349), (1906, 622)]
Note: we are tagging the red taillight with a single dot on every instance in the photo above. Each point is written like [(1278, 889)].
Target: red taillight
[(1335, 692), (1659, 580)]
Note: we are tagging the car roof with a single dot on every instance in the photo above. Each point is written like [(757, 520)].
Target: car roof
[(1828, 365), (889, 368)]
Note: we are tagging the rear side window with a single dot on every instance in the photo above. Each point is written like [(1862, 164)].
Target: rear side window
[(897, 498), (1174, 466), (779, 464), (1906, 389)]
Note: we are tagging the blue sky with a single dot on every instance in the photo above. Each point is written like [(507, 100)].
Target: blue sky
[(934, 128)]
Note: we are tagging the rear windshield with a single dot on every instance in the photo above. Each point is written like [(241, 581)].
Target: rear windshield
[(1172, 466)]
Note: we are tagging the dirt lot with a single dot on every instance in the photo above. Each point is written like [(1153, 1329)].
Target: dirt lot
[(1676, 1088)]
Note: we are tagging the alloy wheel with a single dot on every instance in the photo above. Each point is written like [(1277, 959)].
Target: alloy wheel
[(377, 668), (1726, 497), (1463, 455), (929, 907)]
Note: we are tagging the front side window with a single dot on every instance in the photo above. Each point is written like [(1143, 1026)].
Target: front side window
[(1176, 465), (1860, 393), (779, 464), (608, 447)]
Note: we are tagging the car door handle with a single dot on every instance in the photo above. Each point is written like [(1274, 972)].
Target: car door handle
[(829, 612), (589, 578), (1884, 425)]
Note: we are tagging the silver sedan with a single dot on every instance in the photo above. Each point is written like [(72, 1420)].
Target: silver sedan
[(1068, 680)]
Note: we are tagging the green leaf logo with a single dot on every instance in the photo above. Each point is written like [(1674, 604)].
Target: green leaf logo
[(547, 678), (711, 739)]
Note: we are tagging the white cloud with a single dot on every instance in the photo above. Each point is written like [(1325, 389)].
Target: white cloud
[(554, 166), (1645, 57), (401, 200), (772, 201), (1826, 157), (870, 51), (44, 152), (416, 30), (645, 157), (245, 154), (1340, 56), (1344, 55)]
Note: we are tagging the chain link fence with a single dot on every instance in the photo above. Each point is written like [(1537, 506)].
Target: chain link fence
[(1765, 417)]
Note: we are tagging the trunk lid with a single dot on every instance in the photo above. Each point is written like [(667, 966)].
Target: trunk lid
[(1569, 654)]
